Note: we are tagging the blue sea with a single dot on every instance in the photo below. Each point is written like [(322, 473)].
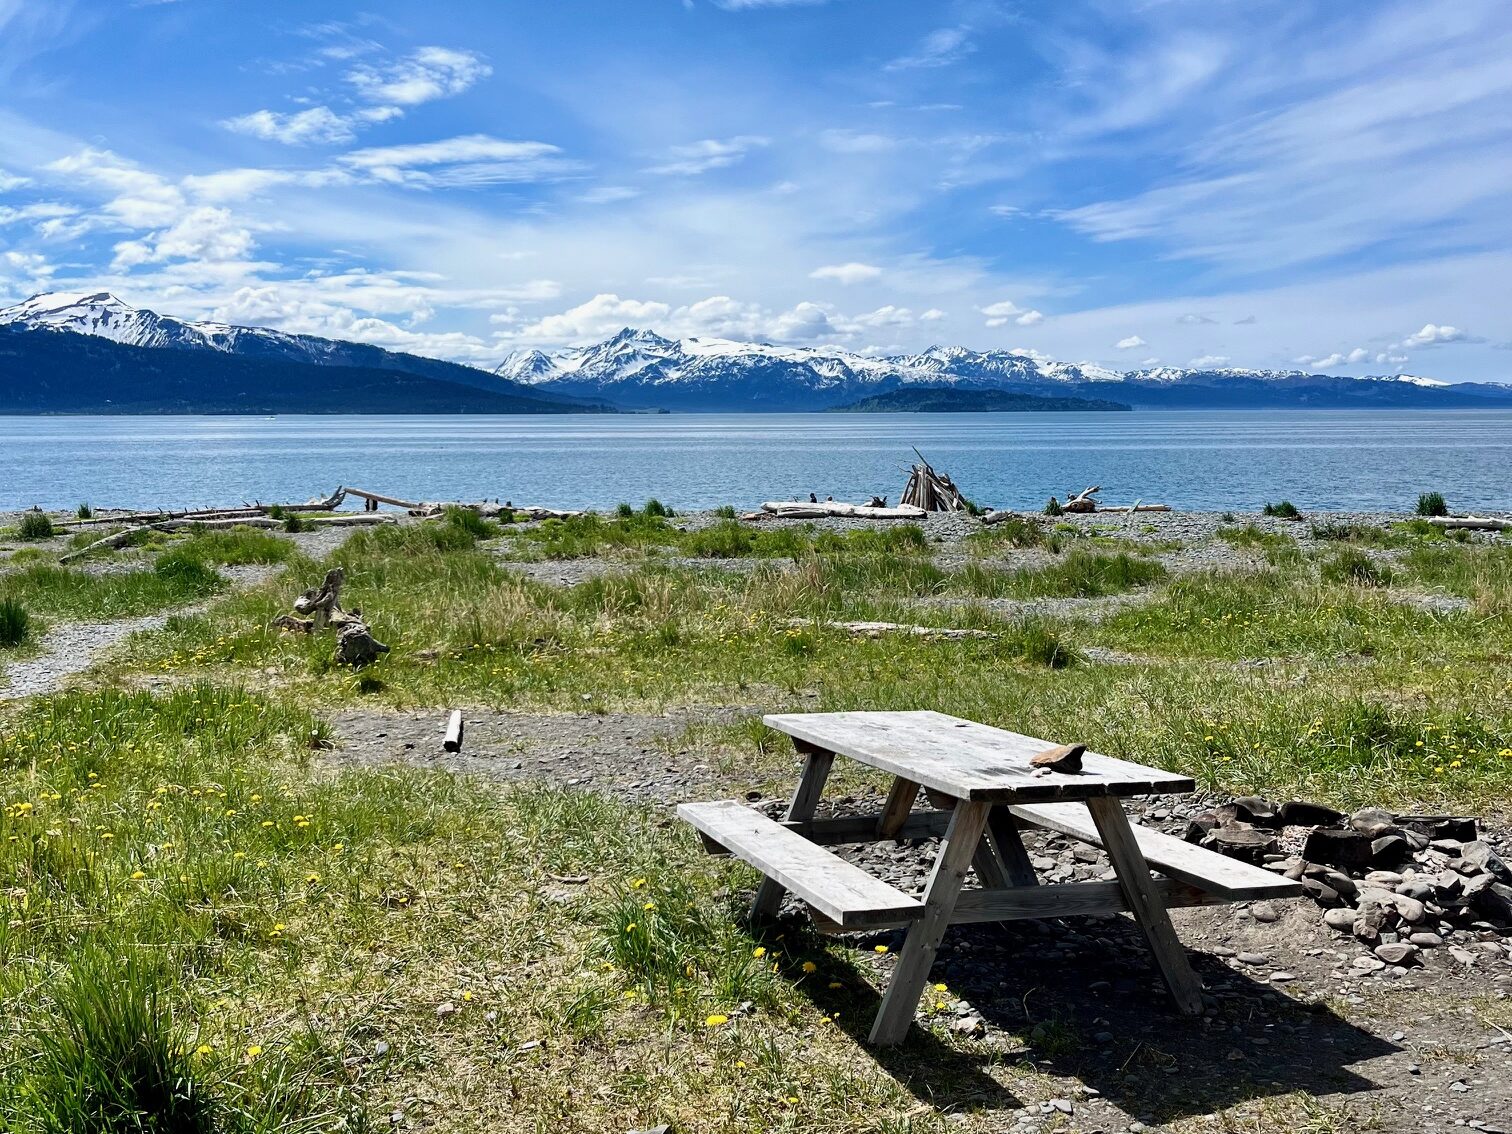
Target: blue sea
[(1200, 460)]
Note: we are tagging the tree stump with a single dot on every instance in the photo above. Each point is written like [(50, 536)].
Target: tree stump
[(356, 646)]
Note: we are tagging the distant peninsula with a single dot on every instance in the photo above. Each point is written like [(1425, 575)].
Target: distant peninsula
[(953, 399)]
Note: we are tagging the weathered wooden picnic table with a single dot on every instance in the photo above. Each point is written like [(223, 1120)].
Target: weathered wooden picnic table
[(985, 787)]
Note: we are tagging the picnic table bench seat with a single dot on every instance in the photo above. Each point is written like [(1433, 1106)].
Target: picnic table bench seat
[(840, 892), (1209, 871)]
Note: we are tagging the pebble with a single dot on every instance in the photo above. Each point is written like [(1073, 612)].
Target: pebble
[(1426, 940), (1282, 977), (1264, 911), (1398, 953), (1252, 959)]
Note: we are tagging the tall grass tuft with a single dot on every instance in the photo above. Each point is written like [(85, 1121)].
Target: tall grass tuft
[(84, 512), (1350, 565), (112, 1057), (468, 520), (35, 525), (1285, 510), (15, 623), (1432, 504)]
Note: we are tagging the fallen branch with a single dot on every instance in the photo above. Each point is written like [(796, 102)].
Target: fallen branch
[(452, 742), (1127, 508)]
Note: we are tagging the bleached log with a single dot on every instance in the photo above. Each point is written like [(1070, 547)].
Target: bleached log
[(393, 500), (452, 741), (999, 516), (352, 520), (1471, 523), (878, 629), (1126, 508), (320, 602), (802, 509)]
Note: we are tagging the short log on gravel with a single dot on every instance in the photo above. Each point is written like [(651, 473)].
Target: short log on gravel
[(878, 629), (1471, 523), (803, 510)]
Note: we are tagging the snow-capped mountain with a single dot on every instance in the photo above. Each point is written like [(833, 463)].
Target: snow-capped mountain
[(102, 315), (641, 369)]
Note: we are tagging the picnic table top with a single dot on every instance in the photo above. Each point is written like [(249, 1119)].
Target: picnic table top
[(969, 760)]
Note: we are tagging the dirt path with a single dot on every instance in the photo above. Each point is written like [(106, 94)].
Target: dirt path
[(1289, 1007)]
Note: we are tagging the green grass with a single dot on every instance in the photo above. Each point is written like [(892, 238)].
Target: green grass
[(35, 525), (209, 923), (1432, 504), (1350, 565), (15, 624), (237, 546), (1285, 510), (176, 578), (1079, 574)]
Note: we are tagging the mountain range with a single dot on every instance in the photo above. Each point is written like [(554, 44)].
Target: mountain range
[(93, 353), (639, 369)]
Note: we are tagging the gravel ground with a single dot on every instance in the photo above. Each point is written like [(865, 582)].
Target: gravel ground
[(72, 647), (1288, 1008)]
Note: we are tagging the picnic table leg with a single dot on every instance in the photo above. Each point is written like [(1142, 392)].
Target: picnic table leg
[(900, 801), (901, 1000), (816, 770), (1144, 901), (1008, 849)]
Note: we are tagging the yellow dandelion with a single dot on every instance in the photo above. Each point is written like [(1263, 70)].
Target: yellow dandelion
[(759, 952), (879, 948), (715, 1020), (810, 967)]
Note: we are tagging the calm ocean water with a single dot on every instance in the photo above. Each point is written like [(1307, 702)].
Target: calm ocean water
[(1337, 459)]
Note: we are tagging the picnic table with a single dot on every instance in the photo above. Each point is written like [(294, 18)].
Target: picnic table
[(983, 789)]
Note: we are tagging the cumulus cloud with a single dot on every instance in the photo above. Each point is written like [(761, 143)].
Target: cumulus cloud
[(204, 233), (1432, 334), (710, 153), (846, 273), (933, 315), (425, 74), (1337, 358), (1002, 313), (717, 316), (1130, 343), (1206, 360), (317, 125)]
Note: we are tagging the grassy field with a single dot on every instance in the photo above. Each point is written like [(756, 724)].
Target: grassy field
[(307, 946)]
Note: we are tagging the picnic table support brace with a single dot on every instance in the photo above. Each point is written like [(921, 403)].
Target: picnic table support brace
[(895, 811), (901, 1000), (1145, 903), (816, 770), (1008, 849)]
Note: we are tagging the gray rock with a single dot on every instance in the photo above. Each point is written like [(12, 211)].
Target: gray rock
[(1373, 822), (1264, 911), (1494, 903), (1400, 953), (1480, 855), (1252, 959), (1296, 813), (664, 1128), (1389, 850), (1338, 846), (1425, 940), (1341, 919)]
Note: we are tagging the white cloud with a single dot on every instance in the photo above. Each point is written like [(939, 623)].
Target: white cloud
[(204, 233), (9, 181), (1206, 360), (425, 74), (745, 5), (933, 315), (463, 162), (1194, 319), (1000, 314), (608, 194), (717, 316), (710, 153), (1337, 358), (317, 125), (846, 273), (1130, 343), (888, 316), (602, 315), (1432, 334), (855, 142), (939, 48)]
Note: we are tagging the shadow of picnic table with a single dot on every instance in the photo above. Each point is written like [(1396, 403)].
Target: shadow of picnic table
[(1081, 998)]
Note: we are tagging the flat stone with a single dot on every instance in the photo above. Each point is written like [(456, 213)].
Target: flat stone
[(1243, 843), (1264, 911), (1252, 959), (1373, 822), (1256, 809), (1399, 953), (1426, 940), (1341, 919), (1282, 977), (1411, 910), (1368, 964), (1296, 813), (1389, 849), (1338, 846), (1494, 902)]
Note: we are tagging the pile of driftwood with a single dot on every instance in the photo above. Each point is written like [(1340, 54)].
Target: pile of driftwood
[(247, 516), (1086, 501), (932, 490), (320, 607), (486, 508)]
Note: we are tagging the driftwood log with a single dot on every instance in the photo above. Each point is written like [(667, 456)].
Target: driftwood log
[(1083, 501), (1471, 523), (932, 490), (803, 510), (878, 629), (319, 607), (319, 504)]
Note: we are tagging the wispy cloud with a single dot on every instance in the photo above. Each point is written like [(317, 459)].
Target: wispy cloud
[(1002, 313), (846, 273), (469, 161), (711, 153), (940, 48), (317, 125)]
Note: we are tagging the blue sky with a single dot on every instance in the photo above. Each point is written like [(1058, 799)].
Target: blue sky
[(1188, 181)]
